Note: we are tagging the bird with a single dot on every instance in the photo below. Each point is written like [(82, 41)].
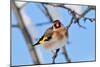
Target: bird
[(54, 37)]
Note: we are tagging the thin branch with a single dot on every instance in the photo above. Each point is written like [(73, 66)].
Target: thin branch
[(69, 25), (47, 13), (86, 11), (28, 38), (42, 23), (73, 13), (15, 26), (66, 55), (42, 9), (38, 24), (83, 16), (90, 19), (55, 55)]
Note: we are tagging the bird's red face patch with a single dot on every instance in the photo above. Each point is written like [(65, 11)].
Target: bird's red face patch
[(57, 24)]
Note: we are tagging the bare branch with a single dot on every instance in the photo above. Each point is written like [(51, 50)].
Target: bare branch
[(74, 18), (86, 11), (26, 34), (90, 19), (14, 25), (66, 55), (42, 23), (38, 24), (55, 55), (83, 16), (47, 13), (69, 25)]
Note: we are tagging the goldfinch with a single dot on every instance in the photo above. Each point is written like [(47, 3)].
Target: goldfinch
[(55, 37)]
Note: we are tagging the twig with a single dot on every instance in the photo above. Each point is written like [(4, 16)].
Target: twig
[(66, 55), (74, 18), (55, 55), (14, 25), (90, 19), (86, 11), (69, 25), (47, 13), (83, 16), (42, 23), (38, 24)]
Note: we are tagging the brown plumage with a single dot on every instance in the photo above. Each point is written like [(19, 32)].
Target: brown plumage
[(55, 37)]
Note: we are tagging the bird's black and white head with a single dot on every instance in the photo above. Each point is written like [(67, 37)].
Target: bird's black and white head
[(57, 25)]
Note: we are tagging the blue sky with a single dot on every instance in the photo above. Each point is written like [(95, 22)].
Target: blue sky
[(82, 41)]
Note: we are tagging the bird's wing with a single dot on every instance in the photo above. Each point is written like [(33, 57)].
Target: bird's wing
[(46, 37)]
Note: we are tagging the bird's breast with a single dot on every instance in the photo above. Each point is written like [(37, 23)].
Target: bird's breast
[(58, 41), (59, 35)]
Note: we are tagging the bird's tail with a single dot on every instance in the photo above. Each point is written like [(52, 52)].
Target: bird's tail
[(36, 44)]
